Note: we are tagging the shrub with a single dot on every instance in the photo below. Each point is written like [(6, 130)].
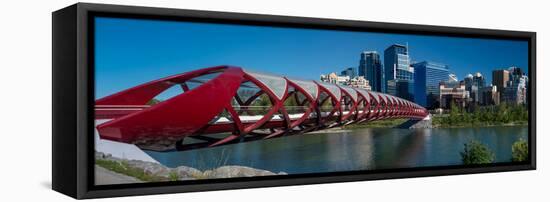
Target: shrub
[(173, 176), (476, 153), (520, 151)]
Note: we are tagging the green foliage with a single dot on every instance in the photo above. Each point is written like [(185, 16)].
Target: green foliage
[(482, 116), (476, 153), (520, 151), (261, 105), (327, 106), (291, 105), (153, 102), (173, 176)]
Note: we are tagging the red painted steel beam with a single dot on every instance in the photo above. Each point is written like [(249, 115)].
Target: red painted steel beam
[(194, 112)]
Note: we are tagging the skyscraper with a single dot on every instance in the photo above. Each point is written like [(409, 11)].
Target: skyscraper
[(516, 88), (397, 69), (516, 92), (469, 82), (351, 72), (427, 76), (371, 68), (478, 82), (500, 80)]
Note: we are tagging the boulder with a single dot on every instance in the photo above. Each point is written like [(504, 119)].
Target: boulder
[(237, 171), (185, 172)]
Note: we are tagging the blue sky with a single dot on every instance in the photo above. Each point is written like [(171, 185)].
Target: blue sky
[(129, 52)]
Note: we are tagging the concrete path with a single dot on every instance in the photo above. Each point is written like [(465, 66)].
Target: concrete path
[(104, 176)]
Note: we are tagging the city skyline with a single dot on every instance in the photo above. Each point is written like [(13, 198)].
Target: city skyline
[(139, 50)]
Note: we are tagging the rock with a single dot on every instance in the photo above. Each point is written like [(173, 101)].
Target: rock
[(150, 168), (207, 174), (187, 172), (157, 170), (101, 155), (238, 171), (417, 124)]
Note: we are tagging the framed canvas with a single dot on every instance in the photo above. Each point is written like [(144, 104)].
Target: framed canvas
[(156, 100)]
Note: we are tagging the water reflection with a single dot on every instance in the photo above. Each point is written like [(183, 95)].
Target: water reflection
[(351, 150)]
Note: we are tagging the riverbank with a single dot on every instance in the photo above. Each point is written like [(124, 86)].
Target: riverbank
[(487, 116), (389, 123), (114, 170), (470, 120), (437, 122), (480, 124)]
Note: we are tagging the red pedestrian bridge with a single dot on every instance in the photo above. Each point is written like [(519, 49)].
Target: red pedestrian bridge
[(226, 104)]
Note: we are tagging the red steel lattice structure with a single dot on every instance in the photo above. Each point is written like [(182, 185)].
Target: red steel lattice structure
[(226, 104)]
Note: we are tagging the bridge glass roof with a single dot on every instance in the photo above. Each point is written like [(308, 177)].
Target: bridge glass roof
[(384, 98), (375, 96), (350, 91), (247, 90), (392, 99), (364, 93), (333, 88), (276, 84), (309, 86)]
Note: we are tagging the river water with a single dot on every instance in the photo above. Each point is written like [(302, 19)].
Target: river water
[(347, 150)]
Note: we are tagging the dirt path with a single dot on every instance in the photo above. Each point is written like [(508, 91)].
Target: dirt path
[(104, 176)]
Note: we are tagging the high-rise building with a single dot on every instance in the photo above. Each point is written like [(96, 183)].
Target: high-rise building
[(516, 89), (351, 72), (397, 63), (490, 95), (469, 82), (478, 80), (398, 72), (401, 88), (515, 71), (427, 76), (370, 67), (474, 84), (453, 93), (500, 79)]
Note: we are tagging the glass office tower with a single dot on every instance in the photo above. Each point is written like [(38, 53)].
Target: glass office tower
[(351, 72), (427, 76), (371, 68), (398, 72)]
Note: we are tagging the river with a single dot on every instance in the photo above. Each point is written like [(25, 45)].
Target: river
[(347, 150)]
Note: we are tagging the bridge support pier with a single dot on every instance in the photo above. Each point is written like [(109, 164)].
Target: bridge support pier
[(417, 123)]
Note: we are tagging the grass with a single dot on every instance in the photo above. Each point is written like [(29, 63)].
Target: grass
[(389, 123), (173, 176), (215, 161), (123, 168)]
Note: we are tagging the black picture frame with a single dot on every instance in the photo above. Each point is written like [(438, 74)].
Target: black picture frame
[(73, 100)]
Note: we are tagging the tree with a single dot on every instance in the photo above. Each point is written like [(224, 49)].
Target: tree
[(260, 105), (476, 153), (520, 151), (153, 101), (453, 116)]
